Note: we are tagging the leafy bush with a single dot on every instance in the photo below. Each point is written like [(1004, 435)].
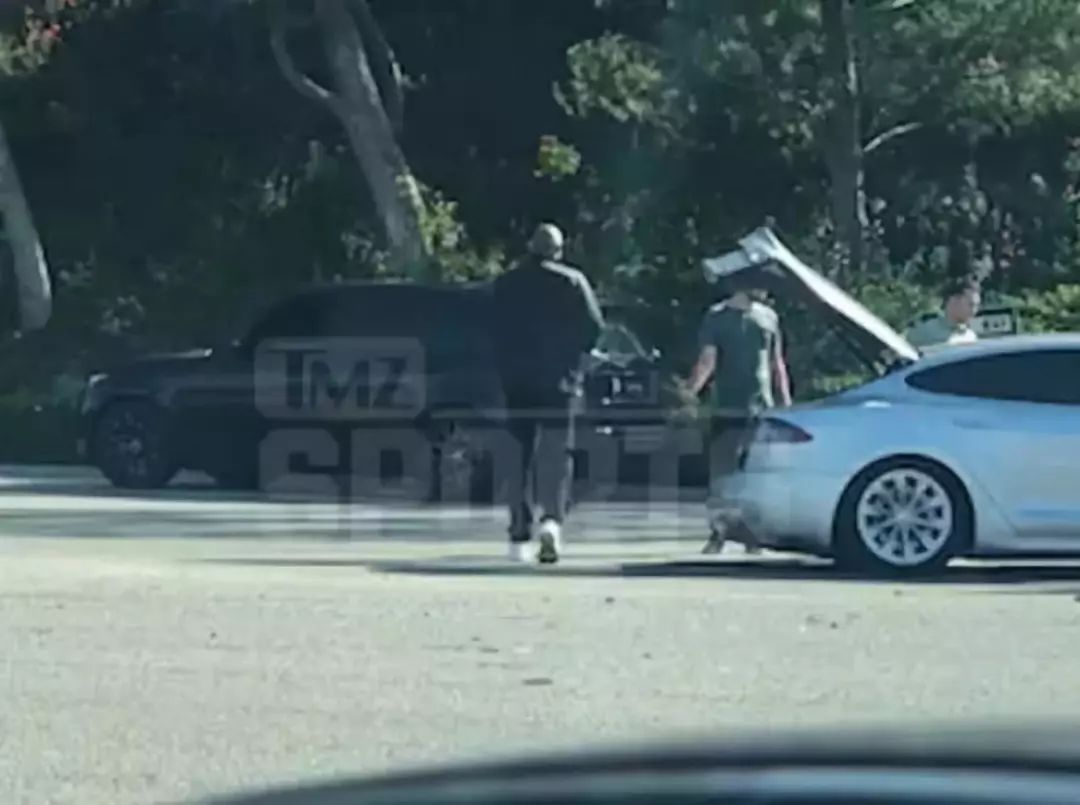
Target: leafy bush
[(1056, 310)]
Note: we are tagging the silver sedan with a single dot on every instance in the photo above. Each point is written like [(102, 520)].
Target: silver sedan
[(971, 451)]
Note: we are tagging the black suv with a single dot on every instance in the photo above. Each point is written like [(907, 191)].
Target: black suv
[(341, 371)]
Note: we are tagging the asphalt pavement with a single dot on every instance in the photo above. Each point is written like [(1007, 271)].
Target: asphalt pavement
[(167, 646)]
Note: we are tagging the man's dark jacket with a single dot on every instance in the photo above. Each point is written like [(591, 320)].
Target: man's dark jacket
[(546, 316)]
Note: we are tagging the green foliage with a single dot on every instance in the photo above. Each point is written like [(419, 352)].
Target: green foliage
[(167, 210), (898, 303), (179, 183), (1056, 310), (719, 114), (557, 160), (34, 31), (1001, 64), (455, 258), (616, 76)]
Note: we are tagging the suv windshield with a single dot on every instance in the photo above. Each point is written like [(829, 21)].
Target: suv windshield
[(618, 342)]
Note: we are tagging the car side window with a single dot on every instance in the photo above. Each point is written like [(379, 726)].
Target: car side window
[(1044, 376), (379, 312), (358, 316), (449, 326), (299, 317)]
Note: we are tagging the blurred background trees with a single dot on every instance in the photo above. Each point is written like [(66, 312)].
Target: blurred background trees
[(178, 181)]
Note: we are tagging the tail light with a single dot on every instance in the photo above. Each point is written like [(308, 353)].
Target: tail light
[(778, 431)]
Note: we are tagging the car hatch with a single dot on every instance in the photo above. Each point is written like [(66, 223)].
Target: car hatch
[(764, 261)]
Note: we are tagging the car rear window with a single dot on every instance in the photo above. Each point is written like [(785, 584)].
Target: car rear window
[(1043, 376)]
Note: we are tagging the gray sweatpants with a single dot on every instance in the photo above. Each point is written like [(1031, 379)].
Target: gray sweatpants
[(729, 436), (543, 439)]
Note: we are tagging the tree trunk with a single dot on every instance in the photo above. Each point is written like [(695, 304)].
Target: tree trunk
[(843, 130), (371, 134), (387, 71), (31, 270), (357, 101)]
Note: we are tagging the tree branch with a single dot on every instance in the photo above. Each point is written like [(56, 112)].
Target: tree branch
[(298, 80), (384, 64), (889, 135)]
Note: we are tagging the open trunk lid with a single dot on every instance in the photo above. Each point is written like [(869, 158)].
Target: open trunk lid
[(763, 261)]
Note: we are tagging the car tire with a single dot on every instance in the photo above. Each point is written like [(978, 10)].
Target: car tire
[(902, 517), (462, 465), (131, 446)]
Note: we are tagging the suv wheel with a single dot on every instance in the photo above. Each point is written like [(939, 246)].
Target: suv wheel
[(131, 446), (462, 465)]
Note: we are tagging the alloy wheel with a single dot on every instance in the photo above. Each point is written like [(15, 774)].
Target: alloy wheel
[(905, 517)]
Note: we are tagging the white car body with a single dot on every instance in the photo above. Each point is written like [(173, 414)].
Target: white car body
[(1018, 462), (999, 466)]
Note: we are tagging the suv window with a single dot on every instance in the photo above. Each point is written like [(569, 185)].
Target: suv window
[(298, 317), (451, 324), (619, 341), (1045, 376)]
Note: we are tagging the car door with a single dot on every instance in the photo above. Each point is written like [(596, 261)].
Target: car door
[(255, 384), (1015, 425), (377, 330), (224, 407), (352, 378), (462, 375)]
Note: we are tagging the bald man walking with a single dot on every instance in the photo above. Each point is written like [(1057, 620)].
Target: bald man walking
[(546, 318)]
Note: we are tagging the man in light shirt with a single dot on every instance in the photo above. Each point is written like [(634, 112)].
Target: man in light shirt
[(952, 326)]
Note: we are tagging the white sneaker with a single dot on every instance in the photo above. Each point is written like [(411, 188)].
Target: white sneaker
[(522, 552), (715, 545), (550, 535)]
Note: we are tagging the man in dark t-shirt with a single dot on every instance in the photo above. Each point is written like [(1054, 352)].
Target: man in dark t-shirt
[(742, 353), (546, 318)]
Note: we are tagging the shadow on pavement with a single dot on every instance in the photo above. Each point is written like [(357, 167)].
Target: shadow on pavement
[(734, 569), (73, 503), (77, 481), (766, 569), (303, 521)]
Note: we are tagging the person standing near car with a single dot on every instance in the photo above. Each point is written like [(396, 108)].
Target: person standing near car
[(546, 319), (741, 352), (952, 326)]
